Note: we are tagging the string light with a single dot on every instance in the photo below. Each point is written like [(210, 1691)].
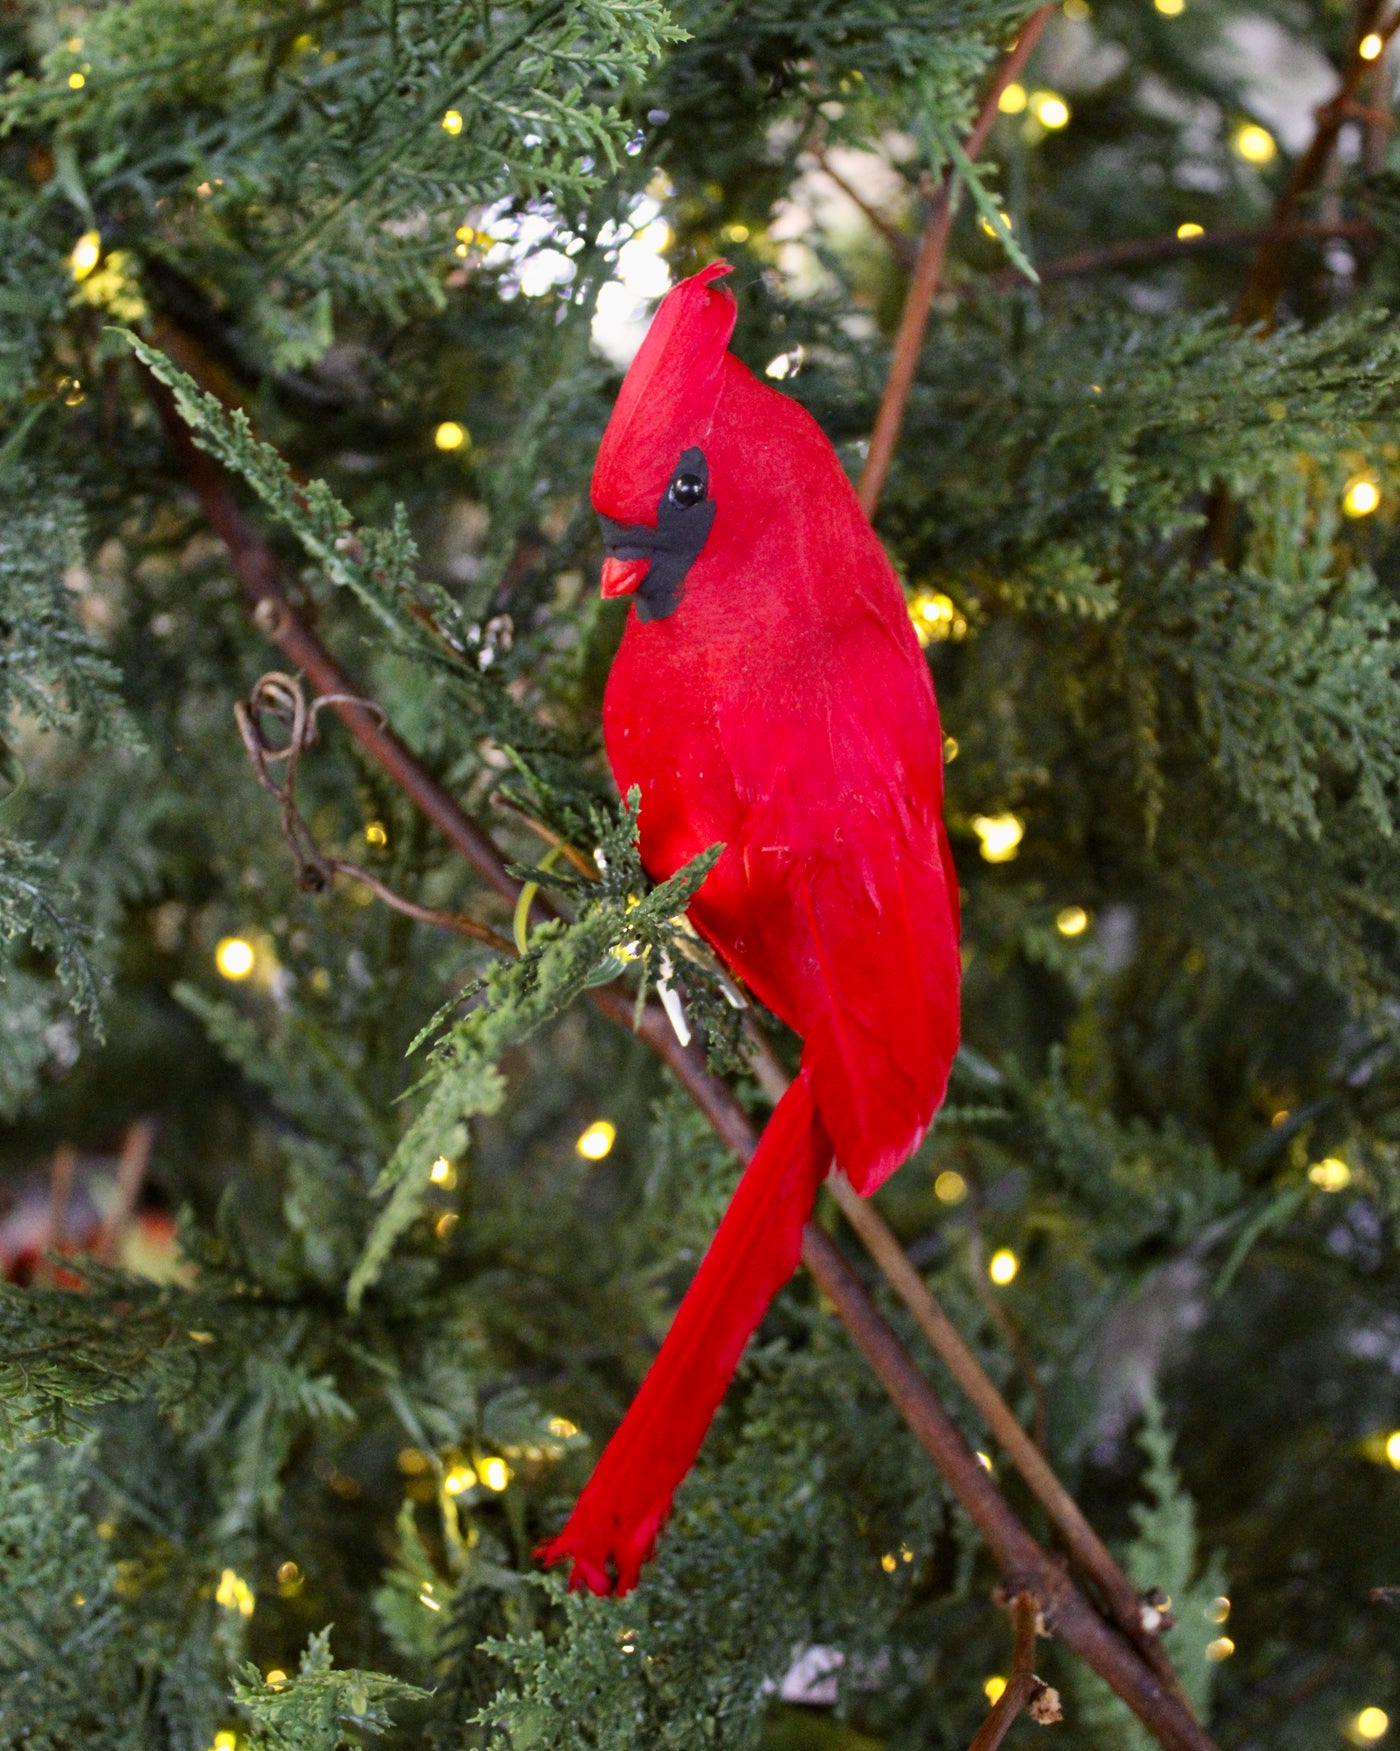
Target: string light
[(445, 1224), (1361, 497), (234, 1594), (785, 365), (1003, 1266), (597, 1140), (1392, 1450), (1255, 144), (1371, 1724), (1370, 46), (1330, 1174), (950, 1187), (1050, 110), (983, 1459), (936, 617), (1001, 836), (1190, 229), (452, 122), (76, 81), (450, 435), (1076, 9), (425, 1597), (950, 750), (442, 1173), (234, 957), (1220, 1649), (1013, 100), (1170, 8), (888, 1562), (1072, 921), (1218, 1611), (994, 1689), (459, 1478), (276, 1678), (224, 1740), (563, 1428), (376, 833), (87, 252), (495, 1474), (991, 229)]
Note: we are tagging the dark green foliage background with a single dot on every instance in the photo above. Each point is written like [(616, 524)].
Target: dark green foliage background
[(1181, 671)]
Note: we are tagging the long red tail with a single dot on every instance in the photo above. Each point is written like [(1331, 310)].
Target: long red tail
[(613, 1528)]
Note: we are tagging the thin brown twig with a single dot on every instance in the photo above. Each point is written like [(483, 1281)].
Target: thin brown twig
[(1023, 1689), (570, 853), (900, 242), (1021, 1559), (1135, 250), (928, 268), (1258, 301), (132, 1163)]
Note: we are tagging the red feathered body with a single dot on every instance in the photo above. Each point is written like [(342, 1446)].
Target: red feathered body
[(782, 706)]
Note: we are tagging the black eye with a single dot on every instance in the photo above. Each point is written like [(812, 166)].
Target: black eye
[(687, 490)]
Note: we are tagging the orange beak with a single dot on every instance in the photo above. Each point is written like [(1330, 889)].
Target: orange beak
[(621, 576)]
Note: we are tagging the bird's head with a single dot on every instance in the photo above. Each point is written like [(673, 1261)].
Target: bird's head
[(652, 480)]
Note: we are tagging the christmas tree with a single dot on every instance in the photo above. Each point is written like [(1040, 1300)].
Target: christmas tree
[(366, 1108)]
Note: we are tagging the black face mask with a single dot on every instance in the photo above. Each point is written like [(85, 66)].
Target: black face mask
[(683, 520)]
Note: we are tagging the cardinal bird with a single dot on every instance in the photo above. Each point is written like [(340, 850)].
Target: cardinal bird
[(769, 693)]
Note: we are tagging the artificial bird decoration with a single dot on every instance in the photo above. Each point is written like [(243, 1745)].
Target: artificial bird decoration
[(769, 693)]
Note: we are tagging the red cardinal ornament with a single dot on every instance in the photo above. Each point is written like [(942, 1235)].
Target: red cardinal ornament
[(769, 692)]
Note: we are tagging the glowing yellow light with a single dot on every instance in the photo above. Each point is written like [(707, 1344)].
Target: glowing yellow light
[(445, 1224), (936, 617), (950, 1187), (984, 1460), (234, 1594), (441, 1173), (76, 81), (732, 234), (597, 1140), (465, 234), (994, 1689), (87, 252), (1361, 497), (1370, 46), (495, 1474), (1220, 1649), (376, 833), (563, 1428), (1255, 144), (425, 1597), (1190, 229), (224, 1740), (1218, 1611), (888, 1562), (950, 750), (991, 229), (1003, 1266), (450, 435), (459, 1478), (452, 122), (1001, 836), (1170, 8), (1392, 1449), (1013, 100), (1371, 1724), (1076, 9), (1072, 921), (1330, 1175), (1050, 110), (234, 957), (276, 1678)]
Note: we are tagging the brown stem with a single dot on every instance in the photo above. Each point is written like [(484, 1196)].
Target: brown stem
[(901, 244), (928, 268), (1022, 1561), (1144, 249), (1262, 290), (1083, 1543), (1023, 1688), (131, 1172), (454, 921)]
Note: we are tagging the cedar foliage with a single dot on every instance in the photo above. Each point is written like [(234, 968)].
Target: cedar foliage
[(1177, 663)]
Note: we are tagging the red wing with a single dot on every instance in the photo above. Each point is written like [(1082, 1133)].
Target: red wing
[(843, 894)]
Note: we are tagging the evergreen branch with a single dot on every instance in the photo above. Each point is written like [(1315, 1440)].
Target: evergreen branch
[(928, 270), (1023, 1562)]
